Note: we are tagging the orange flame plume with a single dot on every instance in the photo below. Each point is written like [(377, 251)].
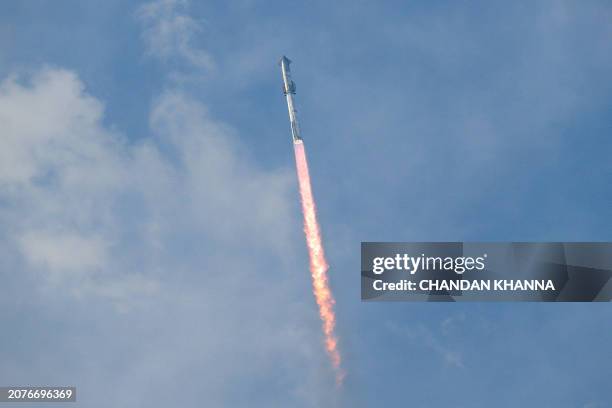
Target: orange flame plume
[(318, 264)]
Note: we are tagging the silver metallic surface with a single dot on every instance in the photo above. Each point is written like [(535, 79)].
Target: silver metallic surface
[(289, 91)]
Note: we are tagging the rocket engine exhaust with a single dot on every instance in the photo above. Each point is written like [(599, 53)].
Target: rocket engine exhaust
[(318, 263), (316, 254)]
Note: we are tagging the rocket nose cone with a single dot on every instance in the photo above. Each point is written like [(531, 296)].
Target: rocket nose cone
[(285, 60)]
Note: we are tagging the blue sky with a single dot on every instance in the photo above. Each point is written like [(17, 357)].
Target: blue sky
[(150, 238)]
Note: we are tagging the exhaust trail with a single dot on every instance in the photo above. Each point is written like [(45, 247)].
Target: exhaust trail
[(318, 263)]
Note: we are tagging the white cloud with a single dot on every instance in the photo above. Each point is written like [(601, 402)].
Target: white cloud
[(60, 173), (47, 122), (182, 230), (170, 33), (66, 252), (79, 190), (219, 179)]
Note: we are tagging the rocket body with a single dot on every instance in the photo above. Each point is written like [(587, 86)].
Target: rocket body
[(289, 91)]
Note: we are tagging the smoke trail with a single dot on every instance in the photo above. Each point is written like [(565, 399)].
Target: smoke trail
[(318, 264)]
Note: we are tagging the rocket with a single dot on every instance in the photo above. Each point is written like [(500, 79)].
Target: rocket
[(289, 91)]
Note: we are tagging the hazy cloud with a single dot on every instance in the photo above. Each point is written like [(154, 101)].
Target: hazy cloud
[(173, 231), (170, 33), (421, 336)]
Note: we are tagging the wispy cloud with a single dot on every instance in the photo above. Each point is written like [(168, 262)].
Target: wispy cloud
[(82, 200), (170, 33), (179, 222), (63, 252), (422, 336)]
